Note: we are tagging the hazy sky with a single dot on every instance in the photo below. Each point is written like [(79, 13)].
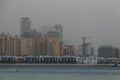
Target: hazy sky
[(98, 19)]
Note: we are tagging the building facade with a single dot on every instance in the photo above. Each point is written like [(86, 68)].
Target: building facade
[(25, 25), (107, 51), (89, 50), (32, 42), (20, 46), (69, 50), (12, 45), (46, 46), (59, 28), (87, 60), (56, 31)]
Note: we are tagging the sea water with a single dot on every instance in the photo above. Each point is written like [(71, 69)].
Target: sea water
[(58, 73)]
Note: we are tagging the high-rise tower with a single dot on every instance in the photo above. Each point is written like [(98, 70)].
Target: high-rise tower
[(25, 25), (59, 28), (56, 32)]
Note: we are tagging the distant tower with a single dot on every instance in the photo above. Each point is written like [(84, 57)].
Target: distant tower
[(25, 25), (59, 28), (84, 45), (56, 31)]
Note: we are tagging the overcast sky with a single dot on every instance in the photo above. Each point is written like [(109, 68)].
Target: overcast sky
[(98, 19)]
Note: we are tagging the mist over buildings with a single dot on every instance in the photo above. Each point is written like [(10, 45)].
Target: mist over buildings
[(98, 19)]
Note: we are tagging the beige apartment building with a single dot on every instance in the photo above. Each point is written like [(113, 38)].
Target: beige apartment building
[(46, 46), (19, 46), (12, 45)]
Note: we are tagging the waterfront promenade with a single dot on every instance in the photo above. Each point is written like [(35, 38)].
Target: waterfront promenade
[(77, 65)]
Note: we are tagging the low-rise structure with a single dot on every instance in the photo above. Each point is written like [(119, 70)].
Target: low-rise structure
[(89, 50), (69, 50), (88, 60), (107, 51)]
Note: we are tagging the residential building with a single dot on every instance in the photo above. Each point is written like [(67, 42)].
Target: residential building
[(89, 50), (107, 51), (12, 45), (69, 50), (88, 60), (48, 46)]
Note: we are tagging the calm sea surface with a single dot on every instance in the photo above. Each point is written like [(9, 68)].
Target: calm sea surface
[(59, 73)]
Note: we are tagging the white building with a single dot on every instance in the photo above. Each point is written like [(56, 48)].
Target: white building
[(88, 47), (87, 60)]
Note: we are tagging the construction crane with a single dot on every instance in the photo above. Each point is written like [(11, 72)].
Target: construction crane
[(84, 45)]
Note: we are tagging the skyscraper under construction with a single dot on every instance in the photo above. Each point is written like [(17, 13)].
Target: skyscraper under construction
[(25, 25)]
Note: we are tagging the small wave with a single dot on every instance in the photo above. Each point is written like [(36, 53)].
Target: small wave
[(95, 72)]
